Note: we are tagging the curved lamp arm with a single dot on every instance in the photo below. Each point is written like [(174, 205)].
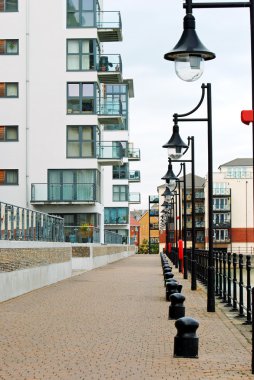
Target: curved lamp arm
[(176, 115)]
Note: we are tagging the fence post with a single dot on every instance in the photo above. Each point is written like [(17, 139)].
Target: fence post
[(248, 288), (234, 308), (220, 274), (241, 313), (224, 299), (229, 302)]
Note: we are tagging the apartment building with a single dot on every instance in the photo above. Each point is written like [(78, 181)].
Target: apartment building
[(64, 113), (232, 209), (233, 206)]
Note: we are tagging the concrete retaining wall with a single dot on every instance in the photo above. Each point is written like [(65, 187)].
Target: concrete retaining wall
[(26, 266)]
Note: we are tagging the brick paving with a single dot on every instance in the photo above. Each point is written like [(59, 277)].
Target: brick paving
[(111, 323)]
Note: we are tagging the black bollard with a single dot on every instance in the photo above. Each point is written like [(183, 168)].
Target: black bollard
[(172, 287), (176, 309), (168, 276), (186, 340)]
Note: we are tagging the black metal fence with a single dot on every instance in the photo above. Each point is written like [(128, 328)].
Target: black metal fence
[(234, 278)]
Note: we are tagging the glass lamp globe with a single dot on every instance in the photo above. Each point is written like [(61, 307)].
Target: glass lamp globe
[(189, 67)]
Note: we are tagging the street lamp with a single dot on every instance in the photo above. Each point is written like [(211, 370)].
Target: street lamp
[(177, 148), (188, 46), (206, 90), (189, 53)]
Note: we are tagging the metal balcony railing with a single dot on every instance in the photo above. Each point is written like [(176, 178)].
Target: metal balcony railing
[(18, 223)]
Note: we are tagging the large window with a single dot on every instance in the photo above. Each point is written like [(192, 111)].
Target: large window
[(9, 90), (120, 171), (116, 215), (81, 141), (221, 204), (9, 47), (80, 13), (80, 98), (120, 193), (9, 133), (74, 185), (81, 55), (8, 5), (9, 177)]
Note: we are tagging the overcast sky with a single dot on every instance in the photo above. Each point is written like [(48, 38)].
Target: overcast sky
[(151, 29)]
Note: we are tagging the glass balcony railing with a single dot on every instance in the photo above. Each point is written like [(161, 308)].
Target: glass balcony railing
[(109, 20), (134, 175), (221, 191), (221, 207), (134, 153), (63, 192), (76, 234), (109, 26), (109, 150), (109, 107), (110, 63), (134, 198)]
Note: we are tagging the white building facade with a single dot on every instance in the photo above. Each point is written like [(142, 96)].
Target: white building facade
[(63, 111)]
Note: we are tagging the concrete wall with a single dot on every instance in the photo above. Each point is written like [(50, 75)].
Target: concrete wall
[(87, 257), (26, 266)]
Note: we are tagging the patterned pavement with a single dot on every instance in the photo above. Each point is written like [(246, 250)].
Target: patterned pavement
[(112, 323)]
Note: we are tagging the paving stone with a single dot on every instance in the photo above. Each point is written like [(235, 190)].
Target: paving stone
[(112, 323)]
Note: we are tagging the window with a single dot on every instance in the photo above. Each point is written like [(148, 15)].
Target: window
[(8, 5), (8, 90), (81, 55), (9, 47), (81, 141), (116, 215), (9, 133), (74, 185), (120, 171), (8, 177), (80, 98), (120, 193), (80, 13)]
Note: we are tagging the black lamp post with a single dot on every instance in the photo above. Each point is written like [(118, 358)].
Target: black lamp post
[(176, 149), (189, 46), (206, 89)]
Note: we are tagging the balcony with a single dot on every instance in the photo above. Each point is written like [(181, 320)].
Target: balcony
[(221, 192), (154, 226), (134, 175), (62, 193), (109, 153), (134, 154), (221, 208), (109, 26), (223, 225), (134, 198), (199, 195), (199, 210), (109, 111), (110, 69), (154, 212)]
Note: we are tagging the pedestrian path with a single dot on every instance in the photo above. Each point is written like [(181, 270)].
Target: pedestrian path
[(112, 324)]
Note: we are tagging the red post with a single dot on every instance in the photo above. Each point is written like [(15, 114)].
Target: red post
[(180, 255)]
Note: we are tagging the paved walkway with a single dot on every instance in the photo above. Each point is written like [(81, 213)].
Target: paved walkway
[(111, 323)]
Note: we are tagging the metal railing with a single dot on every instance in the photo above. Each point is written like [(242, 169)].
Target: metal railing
[(233, 278), (134, 175), (77, 234), (134, 198), (18, 223), (134, 153)]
